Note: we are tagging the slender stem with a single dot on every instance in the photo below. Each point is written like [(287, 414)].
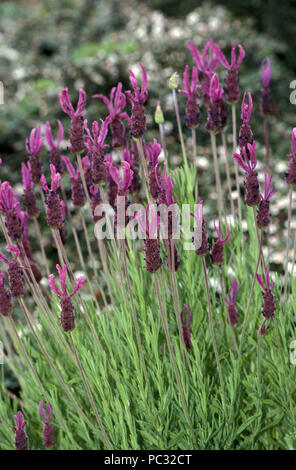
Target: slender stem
[(217, 176), (234, 342), (89, 394), (210, 316), (288, 239), (163, 144), (228, 173), (233, 110), (180, 131), (171, 352), (260, 245), (140, 147), (194, 159), (266, 141), (40, 240)]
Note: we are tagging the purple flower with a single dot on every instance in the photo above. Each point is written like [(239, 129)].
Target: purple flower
[(153, 152), (265, 95), (55, 151), (76, 132), (268, 308), (122, 187), (53, 206), (217, 256), (67, 312), (95, 143), (232, 91), (200, 239), (6, 305), (9, 205), (252, 194), (266, 71), (192, 107), (230, 300), (48, 432), (136, 183), (290, 174), (15, 274), (216, 108), (138, 118), (245, 133), (29, 195), (185, 326), (263, 215), (21, 438), (115, 105), (33, 147), (95, 201), (78, 194), (151, 243)]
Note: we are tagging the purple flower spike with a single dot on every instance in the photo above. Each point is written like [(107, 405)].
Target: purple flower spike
[(200, 239), (245, 133), (48, 432), (33, 147), (78, 194), (9, 205), (21, 438), (232, 91), (29, 195), (115, 105), (263, 214), (136, 182), (217, 255), (138, 118), (153, 152), (6, 305), (95, 143), (230, 300), (15, 274), (55, 151), (268, 308), (185, 326), (252, 194), (53, 206), (95, 201), (151, 244), (192, 111), (122, 186), (67, 312), (217, 115), (290, 175), (265, 97), (76, 132)]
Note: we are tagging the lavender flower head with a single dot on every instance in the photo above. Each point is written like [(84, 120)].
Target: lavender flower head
[(207, 63), (230, 300), (200, 239), (95, 201), (76, 131), (54, 215), (55, 151), (252, 194), (263, 214), (67, 320), (214, 120), (192, 111), (265, 95), (6, 305), (96, 146), (33, 147), (268, 307), (115, 105), (185, 326), (15, 274), (122, 189), (20, 438), (9, 205), (48, 432), (231, 88), (217, 255), (29, 195), (290, 175), (245, 133), (151, 243), (78, 194), (138, 118), (166, 197), (136, 182), (153, 151)]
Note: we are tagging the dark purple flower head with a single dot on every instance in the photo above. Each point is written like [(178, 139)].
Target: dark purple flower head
[(48, 433), (290, 175), (15, 274), (9, 204), (246, 109), (207, 61), (153, 151), (248, 163), (140, 95), (230, 300), (129, 158), (29, 195), (217, 256), (232, 91), (67, 313), (215, 119), (126, 181), (76, 132), (245, 133), (21, 438), (95, 201), (78, 194), (6, 305), (266, 71), (151, 243), (166, 187), (268, 308), (55, 151), (263, 215), (192, 110), (33, 147), (53, 205), (55, 180), (200, 239), (186, 325), (95, 143), (138, 118)]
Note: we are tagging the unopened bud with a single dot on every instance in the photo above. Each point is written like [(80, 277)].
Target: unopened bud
[(174, 81), (158, 116)]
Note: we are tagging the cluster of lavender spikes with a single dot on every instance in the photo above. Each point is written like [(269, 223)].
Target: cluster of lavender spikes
[(21, 440)]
